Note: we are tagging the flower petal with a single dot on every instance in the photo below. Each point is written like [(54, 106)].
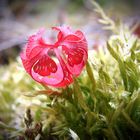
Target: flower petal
[(44, 66), (67, 75), (76, 61), (28, 63), (63, 31), (35, 43), (75, 49), (51, 75)]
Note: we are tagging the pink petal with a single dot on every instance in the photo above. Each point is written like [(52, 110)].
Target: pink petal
[(63, 31), (53, 77), (72, 38), (74, 46), (28, 63), (67, 75), (35, 44), (76, 61), (45, 66), (75, 57)]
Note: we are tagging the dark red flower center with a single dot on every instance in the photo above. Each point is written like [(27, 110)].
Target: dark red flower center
[(45, 66)]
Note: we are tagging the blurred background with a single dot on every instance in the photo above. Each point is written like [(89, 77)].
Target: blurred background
[(18, 19)]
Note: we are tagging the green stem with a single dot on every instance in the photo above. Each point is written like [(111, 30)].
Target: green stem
[(130, 122), (91, 76), (93, 82), (110, 134)]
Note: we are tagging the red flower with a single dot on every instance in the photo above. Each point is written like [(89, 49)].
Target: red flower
[(53, 62)]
